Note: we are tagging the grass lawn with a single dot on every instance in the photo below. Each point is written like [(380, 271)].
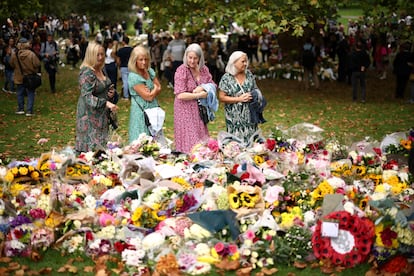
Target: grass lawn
[(331, 108)]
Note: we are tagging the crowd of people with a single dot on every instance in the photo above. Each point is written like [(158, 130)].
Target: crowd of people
[(197, 68)]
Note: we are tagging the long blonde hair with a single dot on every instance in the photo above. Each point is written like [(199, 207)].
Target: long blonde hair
[(136, 52), (91, 55)]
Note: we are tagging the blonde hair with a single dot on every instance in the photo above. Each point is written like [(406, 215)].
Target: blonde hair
[(91, 55), (235, 56), (195, 48), (136, 52)]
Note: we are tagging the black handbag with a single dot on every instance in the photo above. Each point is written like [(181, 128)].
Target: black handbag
[(30, 81), (203, 113)]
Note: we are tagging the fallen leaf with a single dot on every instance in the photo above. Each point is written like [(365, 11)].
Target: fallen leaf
[(88, 269), (245, 271), (300, 265), (270, 271), (45, 270)]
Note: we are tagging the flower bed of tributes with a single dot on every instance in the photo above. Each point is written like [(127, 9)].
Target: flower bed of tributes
[(293, 199)]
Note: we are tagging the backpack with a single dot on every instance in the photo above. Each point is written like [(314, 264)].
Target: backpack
[(308, 58)]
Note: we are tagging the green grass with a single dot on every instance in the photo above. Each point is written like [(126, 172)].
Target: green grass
[(330, 108)]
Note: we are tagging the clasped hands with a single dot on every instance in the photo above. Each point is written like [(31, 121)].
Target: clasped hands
[(200, 92), (245, 97)]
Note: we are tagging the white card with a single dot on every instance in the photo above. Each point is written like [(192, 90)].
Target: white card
[(330, 229)]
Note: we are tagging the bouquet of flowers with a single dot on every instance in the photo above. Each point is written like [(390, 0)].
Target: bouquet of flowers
[(245, 199)]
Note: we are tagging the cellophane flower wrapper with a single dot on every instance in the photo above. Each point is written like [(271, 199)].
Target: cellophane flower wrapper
[(254, 191), (319, 162), (306, 133)]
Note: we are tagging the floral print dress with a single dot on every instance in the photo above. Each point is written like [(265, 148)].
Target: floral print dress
[(136, 117), (92, 123), (238, 119), (189, 129)]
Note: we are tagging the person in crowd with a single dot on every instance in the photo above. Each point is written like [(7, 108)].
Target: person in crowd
[(49, 53), (359, 63), (343, 52), (73, 53), (123, 55), (402, 69), (95, 101), (381, 60), (264, 44), (110, 61), (24, 62), (8, 70), (237, 90), (190, 79), (309, 59), (144, 87), (175, 49), (83, 44)]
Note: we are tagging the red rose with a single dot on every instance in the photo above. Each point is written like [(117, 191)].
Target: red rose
[(270, 144)]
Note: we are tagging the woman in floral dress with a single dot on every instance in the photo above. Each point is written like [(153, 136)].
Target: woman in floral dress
[(92, 122), (189, 129), (144, 87), (235, 92)]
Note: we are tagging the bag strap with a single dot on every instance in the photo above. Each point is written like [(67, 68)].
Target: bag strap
[(20, 65)]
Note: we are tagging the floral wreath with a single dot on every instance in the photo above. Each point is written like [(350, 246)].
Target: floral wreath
[(354, 241)]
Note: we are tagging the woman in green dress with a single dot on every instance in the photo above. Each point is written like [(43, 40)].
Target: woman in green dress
[(235, 91), (144, 87), (94, 104)]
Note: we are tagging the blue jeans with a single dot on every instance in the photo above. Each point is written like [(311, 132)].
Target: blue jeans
[(124, 75), (354, 79), (21, 90), (9, 79)]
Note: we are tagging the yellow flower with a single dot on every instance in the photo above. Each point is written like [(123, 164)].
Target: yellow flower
[(35, 175), (46, 189), (406, 144), (31, 168), (258, 159), (15, 170), (234, 201), (23, 170), (16, 188), (154, 214), (136, 216), (247, 200), (9, 176)]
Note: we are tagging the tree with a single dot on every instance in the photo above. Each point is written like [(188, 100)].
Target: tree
[(294, 16)]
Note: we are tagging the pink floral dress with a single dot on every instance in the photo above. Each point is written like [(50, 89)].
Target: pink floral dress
[(188, 127)]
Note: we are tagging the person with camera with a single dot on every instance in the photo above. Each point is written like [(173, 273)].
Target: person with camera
[(24, 62), (49, 53), (96, 101)]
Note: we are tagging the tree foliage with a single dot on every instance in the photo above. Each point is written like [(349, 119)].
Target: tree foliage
[(293, 16), (386, 14)]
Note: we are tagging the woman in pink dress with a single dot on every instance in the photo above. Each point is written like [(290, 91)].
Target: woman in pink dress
[(189, 129)]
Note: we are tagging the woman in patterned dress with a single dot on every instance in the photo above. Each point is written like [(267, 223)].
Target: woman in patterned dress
[(235, 92), (144, 87), (92, 122), (189, 129)]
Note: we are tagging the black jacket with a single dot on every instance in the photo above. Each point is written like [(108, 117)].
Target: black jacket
[(359, 58)]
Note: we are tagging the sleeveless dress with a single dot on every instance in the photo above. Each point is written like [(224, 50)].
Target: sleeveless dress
[(136, 117), (92, 123)]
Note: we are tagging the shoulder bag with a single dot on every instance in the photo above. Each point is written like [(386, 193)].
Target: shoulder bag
[(30, 81), (202, 110)]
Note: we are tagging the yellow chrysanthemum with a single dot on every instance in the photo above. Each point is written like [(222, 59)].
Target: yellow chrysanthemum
[(35, 175), (247, 200), (16, 188)]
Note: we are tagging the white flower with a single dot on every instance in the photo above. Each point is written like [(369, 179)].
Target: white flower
[(349, 207), (199, 268), (255, 255), (336, 182), (196, 232), (152, 241), (309, 217), (202, 249), (90, 202), (77, 224), (133, 257)]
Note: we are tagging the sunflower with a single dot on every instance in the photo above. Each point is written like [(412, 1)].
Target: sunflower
[(247, 200), (46, 189), (406, 144), (258, 160), (136, 216), (9, 176), (234, 201), (363, 203)]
